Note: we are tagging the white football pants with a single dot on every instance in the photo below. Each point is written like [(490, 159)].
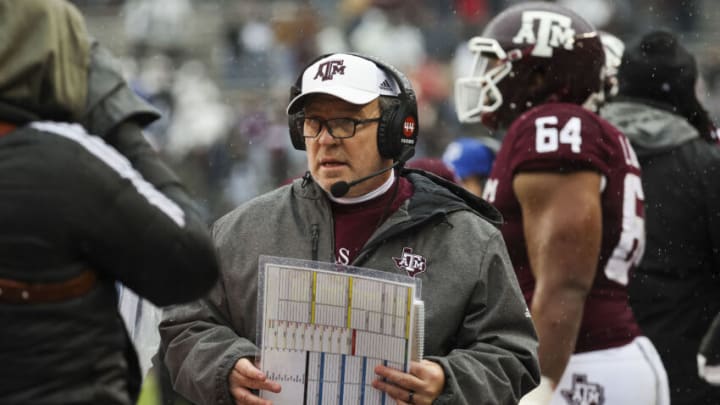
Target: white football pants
[(627, 375)]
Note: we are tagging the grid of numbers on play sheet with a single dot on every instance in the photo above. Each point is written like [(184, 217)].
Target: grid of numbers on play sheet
[(324, 333)]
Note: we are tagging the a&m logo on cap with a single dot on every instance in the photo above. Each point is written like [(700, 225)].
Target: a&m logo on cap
[(327, 70)]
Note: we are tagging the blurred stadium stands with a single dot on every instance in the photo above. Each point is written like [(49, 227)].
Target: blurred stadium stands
[(221, 69)]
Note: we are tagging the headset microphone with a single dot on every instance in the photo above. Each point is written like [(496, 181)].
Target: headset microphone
[(341, 188)]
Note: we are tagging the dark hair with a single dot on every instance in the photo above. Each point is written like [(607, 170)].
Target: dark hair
[(659, 69)]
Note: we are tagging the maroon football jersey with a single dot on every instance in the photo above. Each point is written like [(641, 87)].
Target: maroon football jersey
[(563, 138)]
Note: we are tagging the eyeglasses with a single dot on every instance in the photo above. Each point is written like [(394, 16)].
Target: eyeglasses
[(338, 128)]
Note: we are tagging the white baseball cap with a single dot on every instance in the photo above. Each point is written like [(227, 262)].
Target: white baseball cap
[(352, 78)]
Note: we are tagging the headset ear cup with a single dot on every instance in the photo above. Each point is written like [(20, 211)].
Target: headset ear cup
[(384, 133), (406, 123), (296, 136), (392, 132)]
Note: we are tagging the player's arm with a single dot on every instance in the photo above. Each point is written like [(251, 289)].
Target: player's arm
[(562, 220)]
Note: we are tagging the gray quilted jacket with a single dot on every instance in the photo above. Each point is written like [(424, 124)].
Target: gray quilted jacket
[(477, 323)]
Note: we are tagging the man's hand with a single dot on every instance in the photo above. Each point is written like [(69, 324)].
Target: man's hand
[(422, 385), (244, 377)]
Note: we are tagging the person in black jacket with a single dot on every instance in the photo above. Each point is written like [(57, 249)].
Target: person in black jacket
[(674, 292), (79, 215)]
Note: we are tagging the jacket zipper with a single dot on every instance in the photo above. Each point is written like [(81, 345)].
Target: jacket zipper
[(371, 246), (315, 232)]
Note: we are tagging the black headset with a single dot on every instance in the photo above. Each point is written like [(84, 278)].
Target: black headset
[(398, 127)]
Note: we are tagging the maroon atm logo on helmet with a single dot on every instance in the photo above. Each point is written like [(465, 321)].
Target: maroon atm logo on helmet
[(409, 126), (413, 264), (327, 70), (553, 31)]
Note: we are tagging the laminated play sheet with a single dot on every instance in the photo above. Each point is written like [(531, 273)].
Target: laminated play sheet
[(322, 329)]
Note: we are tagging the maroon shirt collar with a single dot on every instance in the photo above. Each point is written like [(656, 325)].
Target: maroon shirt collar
[(355, 223)]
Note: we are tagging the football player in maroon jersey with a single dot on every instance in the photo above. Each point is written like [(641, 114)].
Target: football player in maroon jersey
[(568, 186)]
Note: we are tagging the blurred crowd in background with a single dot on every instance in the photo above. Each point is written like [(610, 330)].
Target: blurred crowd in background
[(220, 70)]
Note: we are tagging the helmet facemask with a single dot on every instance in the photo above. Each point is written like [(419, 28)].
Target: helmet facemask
[(478, 93), (544, 53)]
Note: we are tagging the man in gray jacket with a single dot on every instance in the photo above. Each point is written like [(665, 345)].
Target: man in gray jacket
[(357, 119)]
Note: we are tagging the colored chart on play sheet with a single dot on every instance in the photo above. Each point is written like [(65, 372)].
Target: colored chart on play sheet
[(323, 332)]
